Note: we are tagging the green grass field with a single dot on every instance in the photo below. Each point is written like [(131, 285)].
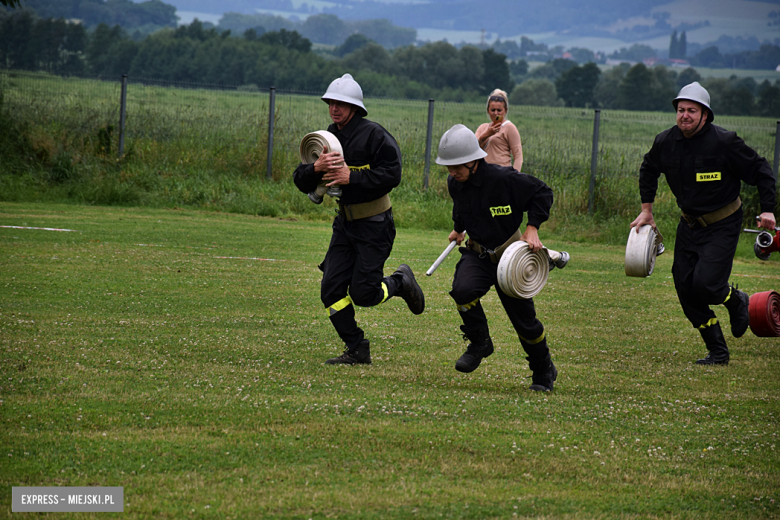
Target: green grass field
[(178, 354)]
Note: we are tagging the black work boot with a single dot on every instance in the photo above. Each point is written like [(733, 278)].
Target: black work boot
[(481, 346), (544, 375), (738, 306), (360, 356), (716, 344), (410, 290)]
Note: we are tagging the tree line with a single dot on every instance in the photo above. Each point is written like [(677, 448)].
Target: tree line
[(639, 87), (281, 58), (285, 59), (142, 17), (765, 57), (145, 17), (326, 29)]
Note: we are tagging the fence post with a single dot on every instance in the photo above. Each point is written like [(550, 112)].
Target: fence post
[(428, 138), (594, 160), (271, 114), (122, 115), (777, 149)]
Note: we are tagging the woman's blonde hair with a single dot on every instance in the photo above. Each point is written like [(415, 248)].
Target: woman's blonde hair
[(498, 93)]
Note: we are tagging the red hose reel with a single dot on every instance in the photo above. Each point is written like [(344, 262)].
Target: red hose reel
[(764, 312), (764, 307)]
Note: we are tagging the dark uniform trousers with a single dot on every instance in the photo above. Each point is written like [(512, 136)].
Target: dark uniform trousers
[(703, 258), (353, 271), (474, 276)]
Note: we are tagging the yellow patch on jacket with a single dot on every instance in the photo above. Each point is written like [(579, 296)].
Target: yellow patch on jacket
[(501, 210), (706, 177)]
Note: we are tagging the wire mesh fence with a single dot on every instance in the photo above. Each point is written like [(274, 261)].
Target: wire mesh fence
[(83, 107), (221, 121)]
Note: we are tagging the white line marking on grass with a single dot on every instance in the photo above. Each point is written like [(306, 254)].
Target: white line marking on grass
[(248, 258), (43, 228)]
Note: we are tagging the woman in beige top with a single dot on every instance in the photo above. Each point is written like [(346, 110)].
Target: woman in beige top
[(500, 138)]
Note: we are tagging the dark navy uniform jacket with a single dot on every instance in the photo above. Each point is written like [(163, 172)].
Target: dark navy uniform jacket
[(705, 171), (490, 205), (373, 157)]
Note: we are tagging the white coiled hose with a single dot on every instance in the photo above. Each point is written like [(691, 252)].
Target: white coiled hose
[(522, 273), (641, 251), (312, 146)]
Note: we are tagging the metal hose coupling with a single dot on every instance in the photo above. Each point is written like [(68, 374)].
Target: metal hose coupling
[(312, 146), (559, 262), (766, 244)]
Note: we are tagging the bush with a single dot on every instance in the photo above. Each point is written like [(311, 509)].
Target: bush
[(536, 92)]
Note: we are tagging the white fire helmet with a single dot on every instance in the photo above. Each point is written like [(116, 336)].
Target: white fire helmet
[(346, 90), (695, 92), (458, 146)]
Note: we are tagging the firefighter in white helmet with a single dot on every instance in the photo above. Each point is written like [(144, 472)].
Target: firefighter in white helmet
[(489, 200), (363, 230), (704, 166)]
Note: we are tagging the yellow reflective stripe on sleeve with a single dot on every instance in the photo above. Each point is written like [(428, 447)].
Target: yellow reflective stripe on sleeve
[(384, 288), (339, 305), (465, 307), (710, 323), (711, 176), (534, 341)]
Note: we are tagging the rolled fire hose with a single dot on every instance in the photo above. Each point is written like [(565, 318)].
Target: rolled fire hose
[(312, 146), (521, 273), (641, 250), (764, 312)]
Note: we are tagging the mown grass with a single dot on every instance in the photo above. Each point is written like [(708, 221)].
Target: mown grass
[(205, 147), (178, 353)]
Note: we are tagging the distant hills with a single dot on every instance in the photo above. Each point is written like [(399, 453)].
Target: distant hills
[(503, 17), (603, 25)]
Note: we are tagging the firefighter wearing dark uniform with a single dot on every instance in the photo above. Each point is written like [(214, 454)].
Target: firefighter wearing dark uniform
[(363, 230), (704, 167), (489, 201)]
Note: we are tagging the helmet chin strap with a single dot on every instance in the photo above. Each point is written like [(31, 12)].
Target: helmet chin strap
[(702, 118), (472, 168)]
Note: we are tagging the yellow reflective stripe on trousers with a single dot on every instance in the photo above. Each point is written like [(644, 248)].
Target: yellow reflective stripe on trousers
[(339, 305), (534, 341), (465, 307), (728, 296), (384, 288), (710, 323)]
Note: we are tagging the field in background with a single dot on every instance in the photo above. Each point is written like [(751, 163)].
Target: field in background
[(179, 354), (706, 72), (758, 75)]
